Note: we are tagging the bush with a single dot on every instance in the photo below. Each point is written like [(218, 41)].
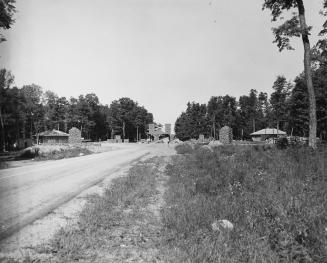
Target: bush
[(282, 143), (28, 153), (184, 148), (61, 153)]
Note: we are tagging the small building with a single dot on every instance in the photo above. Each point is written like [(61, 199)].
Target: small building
[(266, 134), (53, 137)]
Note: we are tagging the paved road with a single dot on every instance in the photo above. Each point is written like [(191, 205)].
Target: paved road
[(31, 192)]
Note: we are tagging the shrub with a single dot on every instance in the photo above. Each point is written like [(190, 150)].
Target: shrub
[(61, 153), (184, 148), (282, 143), (28, 153)]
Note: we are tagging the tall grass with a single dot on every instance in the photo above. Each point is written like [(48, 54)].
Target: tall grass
[(277, 201)]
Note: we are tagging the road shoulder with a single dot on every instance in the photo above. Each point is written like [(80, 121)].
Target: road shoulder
[(122, 224)]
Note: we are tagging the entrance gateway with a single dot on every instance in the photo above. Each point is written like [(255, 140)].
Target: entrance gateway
[(156, 131)]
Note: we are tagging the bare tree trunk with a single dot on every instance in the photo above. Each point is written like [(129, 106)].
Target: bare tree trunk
[(123, 130), (24, 131), (308, 76), (137, 133), (2, 132), (31, 129), (214, 127), (253, 124)]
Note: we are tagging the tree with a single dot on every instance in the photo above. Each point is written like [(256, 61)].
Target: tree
[(7, 11), (139, 119), (229, 111), (278, 100), (296, 26), (182, 127), (33, 108), (126, 117), (6, 80), (264, 110), (193, 122), (214, 110), (298, 108), (299, 101), (221, 111), (248, 112)]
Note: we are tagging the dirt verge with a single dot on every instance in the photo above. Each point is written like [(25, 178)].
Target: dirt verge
[(121, 225)]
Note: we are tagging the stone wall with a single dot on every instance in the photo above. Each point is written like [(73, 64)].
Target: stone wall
[(226, 135), (75, 136)]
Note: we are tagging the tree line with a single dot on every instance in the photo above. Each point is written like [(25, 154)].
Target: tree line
[(26, 111), (300, 107), (287, 108)]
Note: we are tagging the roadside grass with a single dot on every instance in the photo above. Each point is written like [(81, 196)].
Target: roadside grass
[(62, 153), (113, 226), (276, 200), (51, 152), (184, 148)]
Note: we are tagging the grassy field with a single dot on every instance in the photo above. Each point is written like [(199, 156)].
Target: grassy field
[(276, 200)]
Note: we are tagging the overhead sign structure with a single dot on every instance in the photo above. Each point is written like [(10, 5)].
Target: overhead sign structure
[(156, 131), (168, 128), (151, 128)]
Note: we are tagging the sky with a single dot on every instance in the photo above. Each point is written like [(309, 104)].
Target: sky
[(160, 53)]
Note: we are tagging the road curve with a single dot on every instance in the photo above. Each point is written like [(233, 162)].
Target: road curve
[(31, 192)]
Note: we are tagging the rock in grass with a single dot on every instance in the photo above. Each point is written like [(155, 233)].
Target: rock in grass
[(206, 147), (224, 224), (215, 143)]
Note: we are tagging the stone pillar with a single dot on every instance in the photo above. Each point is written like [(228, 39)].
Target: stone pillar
[(75, 136), (226, 135)]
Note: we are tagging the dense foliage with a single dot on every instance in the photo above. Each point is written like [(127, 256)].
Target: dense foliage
[(7, 10), (287, 108), (28, 110)]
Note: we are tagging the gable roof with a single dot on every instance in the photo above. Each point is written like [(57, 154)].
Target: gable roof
[(268, 131), (54, 133)]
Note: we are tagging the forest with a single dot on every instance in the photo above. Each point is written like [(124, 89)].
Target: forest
[(29, 110), (287, 108)]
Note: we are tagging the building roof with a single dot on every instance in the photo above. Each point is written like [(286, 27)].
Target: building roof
[(53, 133), (268, 131)]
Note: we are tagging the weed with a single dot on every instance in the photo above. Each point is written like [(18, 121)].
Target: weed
[(62, 153), (184, 148), (277, 201), (104, 222)]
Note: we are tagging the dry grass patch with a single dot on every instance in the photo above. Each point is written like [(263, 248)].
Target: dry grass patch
[(120, 226)]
